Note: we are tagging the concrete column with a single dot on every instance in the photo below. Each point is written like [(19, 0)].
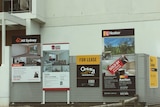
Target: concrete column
[(3, 40), (4, 70), (32, 27)]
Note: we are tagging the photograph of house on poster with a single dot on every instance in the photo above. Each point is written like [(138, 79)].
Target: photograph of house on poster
[(114, 50)]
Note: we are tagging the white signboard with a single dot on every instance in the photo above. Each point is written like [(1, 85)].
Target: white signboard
[(26, 74), (55, 80), (56, 66)]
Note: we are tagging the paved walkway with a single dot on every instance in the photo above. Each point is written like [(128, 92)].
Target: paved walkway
[(154, 106), (72, 105)]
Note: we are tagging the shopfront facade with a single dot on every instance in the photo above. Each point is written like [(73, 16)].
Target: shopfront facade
[(81, 27)]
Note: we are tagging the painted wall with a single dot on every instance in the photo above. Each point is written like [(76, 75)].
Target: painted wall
[(87, 39), (80, 23), (75, 12)]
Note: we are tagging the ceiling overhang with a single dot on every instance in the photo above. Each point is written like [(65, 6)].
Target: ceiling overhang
[(11, 20)]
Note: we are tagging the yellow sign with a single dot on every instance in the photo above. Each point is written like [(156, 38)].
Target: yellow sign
[(88, 60), (153, 73)]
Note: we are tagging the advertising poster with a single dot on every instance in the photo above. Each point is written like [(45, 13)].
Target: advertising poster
[(88, 70), (26, 59), (153, 73), (56, 66), (26, 74), (118, 62)]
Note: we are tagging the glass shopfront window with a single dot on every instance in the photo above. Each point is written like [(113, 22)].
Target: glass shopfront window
[(16, 6)]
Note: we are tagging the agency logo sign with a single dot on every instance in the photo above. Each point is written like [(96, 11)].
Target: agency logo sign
[(87, 71), (118, 32), (56, 47), (19, 40), (26, 39)]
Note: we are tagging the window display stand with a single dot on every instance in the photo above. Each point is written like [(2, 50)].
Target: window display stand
[(56, 75)]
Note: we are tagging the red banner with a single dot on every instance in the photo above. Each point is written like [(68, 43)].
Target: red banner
[(119, 63)]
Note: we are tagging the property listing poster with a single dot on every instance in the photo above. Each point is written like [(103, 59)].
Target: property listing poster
[(118, 62), (56, 66), (153, 73), (88, 70), (26, 59)]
